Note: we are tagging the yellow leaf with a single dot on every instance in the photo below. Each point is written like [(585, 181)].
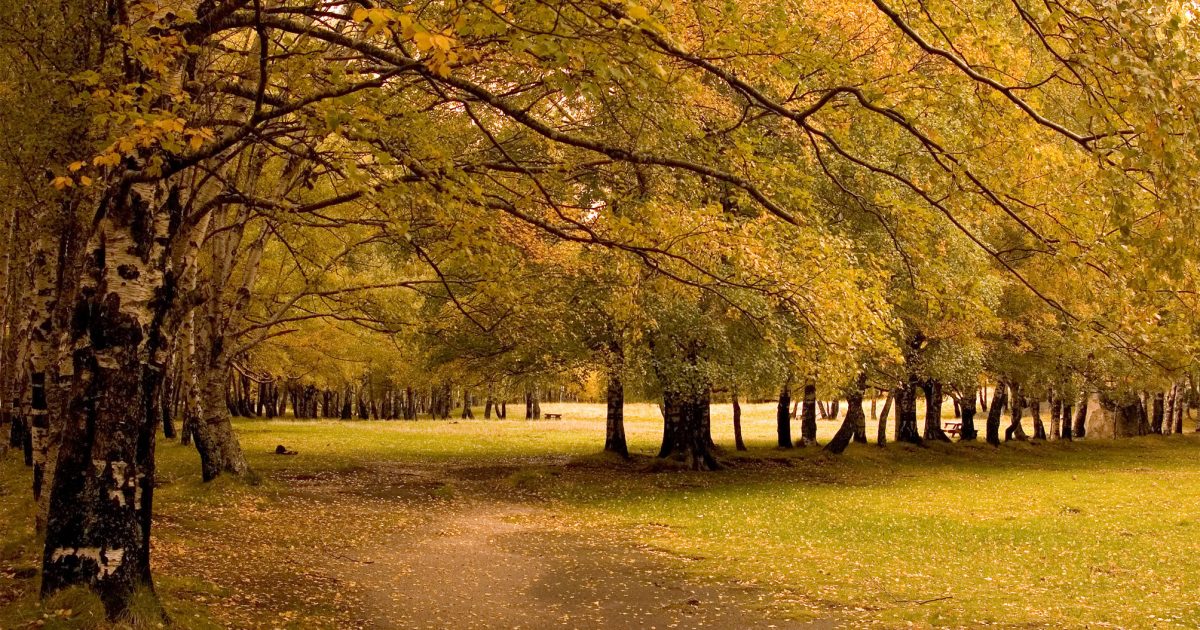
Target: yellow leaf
[(637, 12), (62, 182), (85, 180), (75, 166), (196, 142), (423, 40), (359, 15)]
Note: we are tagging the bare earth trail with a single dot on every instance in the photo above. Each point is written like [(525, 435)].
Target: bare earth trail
[(490, 562)]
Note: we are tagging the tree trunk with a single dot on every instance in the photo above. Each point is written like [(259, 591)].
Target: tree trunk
[(1066, 420), (1015, 431), (614, 435), (1169, 411), (855, 417), (933, 411), (737, 421), (98, 532), (467, 413), (683, 430), (1181, 406), (1055, 417), (966, 406), (881, 434), (783, 416), (220, 452), (1039, 429), (1156, 418), (906, 412), (1080, 428), (164, 406), (995, 410), (808, 415), (1143, 414)]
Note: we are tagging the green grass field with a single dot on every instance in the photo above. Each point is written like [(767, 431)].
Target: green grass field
[(1085, 534)]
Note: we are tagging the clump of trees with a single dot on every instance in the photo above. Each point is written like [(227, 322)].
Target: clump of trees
[(379, 210)]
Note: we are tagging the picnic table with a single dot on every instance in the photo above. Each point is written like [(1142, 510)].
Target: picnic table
[(552, 416), (953, 428)]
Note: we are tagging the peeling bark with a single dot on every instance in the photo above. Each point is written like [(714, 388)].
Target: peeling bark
[(98, 530)]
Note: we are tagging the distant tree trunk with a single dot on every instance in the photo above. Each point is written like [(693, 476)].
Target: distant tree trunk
[(1055, 417), (1066, 419), (855, 417), (881, 434), (1156, 418), (906, 416), (683, 431), (1181, 406), (1080, 428), (1015, 431), (737, 421), (1169, 411), (40, 443), (24, 437), (1143, 414), (860, 424), (487, 404), (1035, 409), (467, 414), (503, 413), (995, 410), (967, 433), (5, 425), (164, 407), (808, 415), (783, 416), (933, 411), (983, 399), (219, 449), (614, 435)]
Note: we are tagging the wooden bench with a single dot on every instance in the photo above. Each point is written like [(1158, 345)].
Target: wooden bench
[(953, 428), (552, 416)]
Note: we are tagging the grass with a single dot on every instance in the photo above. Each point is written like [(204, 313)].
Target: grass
[(1094, 533)]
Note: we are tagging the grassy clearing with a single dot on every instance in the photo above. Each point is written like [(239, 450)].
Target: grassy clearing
[(1053, 534)]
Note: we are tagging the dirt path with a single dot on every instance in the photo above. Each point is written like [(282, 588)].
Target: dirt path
[(490, 563)]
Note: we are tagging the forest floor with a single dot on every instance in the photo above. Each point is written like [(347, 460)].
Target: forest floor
[(511, 523)]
